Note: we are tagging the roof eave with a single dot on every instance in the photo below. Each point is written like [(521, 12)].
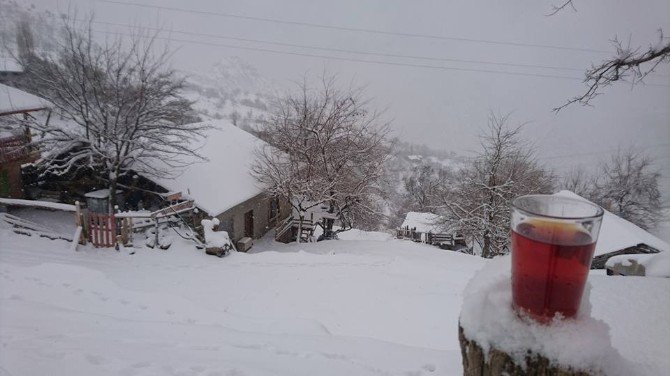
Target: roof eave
[(21, 111)]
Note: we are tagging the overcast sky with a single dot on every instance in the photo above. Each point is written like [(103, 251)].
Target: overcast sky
[(443, 108)]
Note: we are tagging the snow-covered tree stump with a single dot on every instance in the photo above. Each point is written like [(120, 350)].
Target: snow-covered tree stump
[(217, 243), (496, 341), (477, 362)]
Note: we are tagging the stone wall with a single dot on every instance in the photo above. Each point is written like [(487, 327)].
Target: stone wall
[(232, 220)]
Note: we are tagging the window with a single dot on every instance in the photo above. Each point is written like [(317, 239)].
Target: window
[(274, 208), (249, 224)]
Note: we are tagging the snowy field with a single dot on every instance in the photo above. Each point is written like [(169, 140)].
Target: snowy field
[(366, 306)]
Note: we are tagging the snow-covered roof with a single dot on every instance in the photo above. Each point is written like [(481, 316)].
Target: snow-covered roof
[(617, 233), (101, 193), (37, 204), (224, 179), (15, 100), (423, 222), (8, 64)]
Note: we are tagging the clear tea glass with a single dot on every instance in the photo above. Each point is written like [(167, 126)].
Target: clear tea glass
[(553, 239)]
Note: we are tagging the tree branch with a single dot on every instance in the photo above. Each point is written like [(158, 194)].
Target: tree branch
[(627, 63), (557, 8)]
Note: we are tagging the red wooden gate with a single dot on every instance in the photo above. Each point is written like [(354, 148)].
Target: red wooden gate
[(102, 229)]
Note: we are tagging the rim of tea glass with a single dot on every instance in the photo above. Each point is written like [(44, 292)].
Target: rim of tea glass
[(599, 210)]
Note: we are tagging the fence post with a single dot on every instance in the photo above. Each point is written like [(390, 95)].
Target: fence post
[(156, 235), (126, 230), (90, 227), (78, 221)]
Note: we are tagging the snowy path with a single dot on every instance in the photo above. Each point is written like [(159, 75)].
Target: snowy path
[(338, 308)]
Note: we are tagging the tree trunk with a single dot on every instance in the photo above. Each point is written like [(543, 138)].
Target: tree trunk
[(112, 196), (328, 228), (496, 362), (487, 244), (328, 223)]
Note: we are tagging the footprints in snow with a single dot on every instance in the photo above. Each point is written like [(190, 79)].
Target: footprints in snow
[(96, 360), (83, 293), (425, 369)]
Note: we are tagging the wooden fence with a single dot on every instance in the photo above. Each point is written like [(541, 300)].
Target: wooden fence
[(102, 229)]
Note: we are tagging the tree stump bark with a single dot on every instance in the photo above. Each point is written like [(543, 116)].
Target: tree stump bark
[(477, 363)]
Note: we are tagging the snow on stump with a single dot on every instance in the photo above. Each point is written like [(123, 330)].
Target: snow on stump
[(495, 340), (217, 243)]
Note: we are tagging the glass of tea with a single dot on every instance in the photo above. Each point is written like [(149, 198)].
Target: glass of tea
[(553, 239)]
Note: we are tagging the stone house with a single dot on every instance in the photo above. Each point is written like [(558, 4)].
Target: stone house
[(16, 106), (222, 186)]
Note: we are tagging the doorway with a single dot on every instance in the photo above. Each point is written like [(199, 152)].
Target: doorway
[(249, 224)]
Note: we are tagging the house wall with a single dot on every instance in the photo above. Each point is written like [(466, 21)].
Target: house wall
[(232, 220), (15, 150), (11, 183)]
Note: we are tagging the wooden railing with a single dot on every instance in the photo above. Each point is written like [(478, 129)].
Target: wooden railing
[(286, 225), (291, 223)]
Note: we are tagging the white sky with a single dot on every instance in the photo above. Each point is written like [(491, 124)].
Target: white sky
[(444, 108)]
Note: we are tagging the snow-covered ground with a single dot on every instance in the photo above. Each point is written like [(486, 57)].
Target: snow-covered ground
[(367, 306), (347, 307)]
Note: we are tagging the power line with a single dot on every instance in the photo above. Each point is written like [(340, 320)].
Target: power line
[(354, 29), (349, 59), (599, 152), (359, 52), (379, 62), (664, 145)]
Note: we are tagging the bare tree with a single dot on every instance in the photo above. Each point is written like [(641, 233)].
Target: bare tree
[(328, 149), (25, 42), (579, 182), (478, 204), (628, 187), (118, 107), (422, 187)]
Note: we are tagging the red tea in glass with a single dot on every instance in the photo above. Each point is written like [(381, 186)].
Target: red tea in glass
[(553, 239)]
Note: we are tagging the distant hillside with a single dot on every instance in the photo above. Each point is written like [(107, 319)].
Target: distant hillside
[(232, 89)]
